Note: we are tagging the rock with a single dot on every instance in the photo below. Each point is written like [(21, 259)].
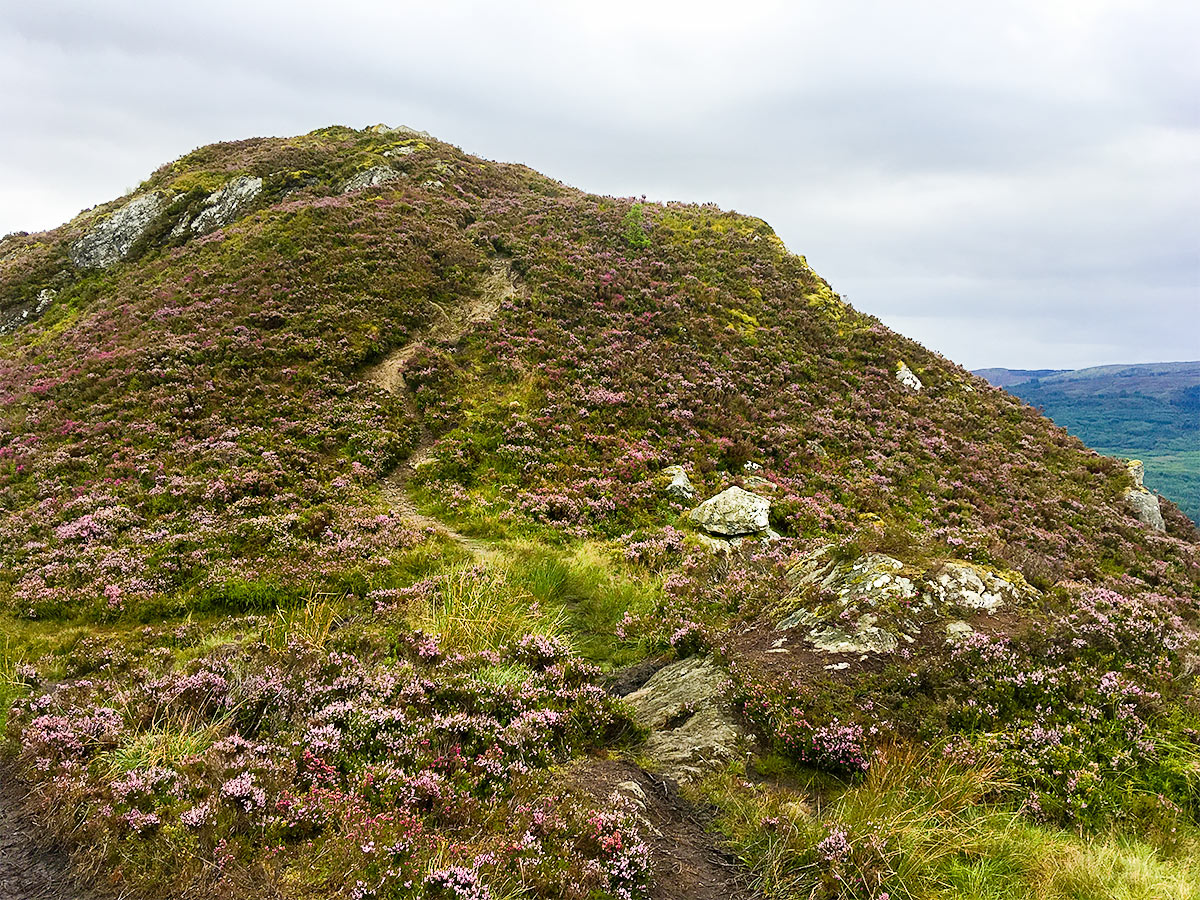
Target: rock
[(866, 637), (1145, 508), (691, 730), (732, 513), (873, 603), (967, 586), (110, 241), (372, 177), (1137, 471), (957, 632), (908, 377), (712, 544), (225, 204), (1141, 502), (399, 129), (680, 486), (17, 315)]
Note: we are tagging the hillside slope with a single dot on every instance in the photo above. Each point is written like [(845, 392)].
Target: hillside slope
[(335, 525), (1149, 412)]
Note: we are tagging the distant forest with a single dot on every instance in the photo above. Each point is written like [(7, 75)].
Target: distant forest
[(1148, 412)]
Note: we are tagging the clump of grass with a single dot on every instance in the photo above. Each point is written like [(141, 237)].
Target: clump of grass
[(477, 608), (309, 623), (920, 826)]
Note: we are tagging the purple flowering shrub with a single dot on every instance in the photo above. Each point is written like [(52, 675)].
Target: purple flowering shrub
[(191, 428), (370, 753)]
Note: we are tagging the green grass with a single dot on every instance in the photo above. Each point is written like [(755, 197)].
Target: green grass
[(921, 828)]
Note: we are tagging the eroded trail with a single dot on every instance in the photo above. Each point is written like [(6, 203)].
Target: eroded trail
[(451, 325), (28, 871)]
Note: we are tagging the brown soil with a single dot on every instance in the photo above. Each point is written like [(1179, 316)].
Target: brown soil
[(687, 862), (30, 870), (788, 655), (389, 375)]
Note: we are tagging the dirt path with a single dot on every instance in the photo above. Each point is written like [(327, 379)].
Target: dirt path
[(686, 860), (28, 871), (389, 375)]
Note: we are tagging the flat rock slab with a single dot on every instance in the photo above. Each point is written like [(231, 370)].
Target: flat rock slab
[(692, 729)]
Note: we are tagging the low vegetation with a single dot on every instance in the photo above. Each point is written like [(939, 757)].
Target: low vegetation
[(235, 663)]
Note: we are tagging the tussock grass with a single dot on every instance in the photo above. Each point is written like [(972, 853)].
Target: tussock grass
[(477, 608), (921, 828), (594, 592), (309, 623)]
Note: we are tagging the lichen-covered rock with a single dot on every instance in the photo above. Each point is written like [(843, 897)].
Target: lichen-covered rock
[(1137, 471), (692, 731), (958, 631), (733, 513), (680, 486), (14, 317), (875, 603), (110, 240), (966, 586), (908, 377), (1144, 506), (865, 637), (1141, 502), (225, 204), (372, 177)]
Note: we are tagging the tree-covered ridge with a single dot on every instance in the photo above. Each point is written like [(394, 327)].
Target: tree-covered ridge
[(1149, 412)]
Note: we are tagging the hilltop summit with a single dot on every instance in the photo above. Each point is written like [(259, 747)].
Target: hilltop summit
[(375, 460)]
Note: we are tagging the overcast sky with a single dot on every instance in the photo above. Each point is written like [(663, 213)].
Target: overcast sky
[(1013, 184)]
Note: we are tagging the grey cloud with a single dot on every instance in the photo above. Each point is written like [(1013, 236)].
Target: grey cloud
[(1016, 185)]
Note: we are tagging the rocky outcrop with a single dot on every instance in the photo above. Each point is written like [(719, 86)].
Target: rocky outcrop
[(908, 377), (14, 317), (876, 603), (733, 513), (372, 177), (691, 729), (680, 486), (110, 241), (227, 203), (1141, 502), (966, 586)]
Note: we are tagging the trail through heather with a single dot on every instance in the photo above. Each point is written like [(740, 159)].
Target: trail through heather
[(28, 871), (451, 325)]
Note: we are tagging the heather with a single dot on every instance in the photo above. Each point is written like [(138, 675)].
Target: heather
[(278, 625)]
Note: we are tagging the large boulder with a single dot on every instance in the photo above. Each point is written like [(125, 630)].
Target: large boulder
[(692, 731), (732, 513), (110, 241), (1141, 502), (225, 204)]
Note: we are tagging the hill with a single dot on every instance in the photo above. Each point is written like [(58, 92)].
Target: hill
[(377, 520), (1149, 412)]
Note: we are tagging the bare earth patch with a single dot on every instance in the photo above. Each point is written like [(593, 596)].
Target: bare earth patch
[(29, 870), (686, 861)]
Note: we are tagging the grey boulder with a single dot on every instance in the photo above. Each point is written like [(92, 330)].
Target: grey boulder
[(732, 513)]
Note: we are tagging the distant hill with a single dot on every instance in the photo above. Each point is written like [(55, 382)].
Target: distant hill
[(1149, 411), (1005, 377)]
